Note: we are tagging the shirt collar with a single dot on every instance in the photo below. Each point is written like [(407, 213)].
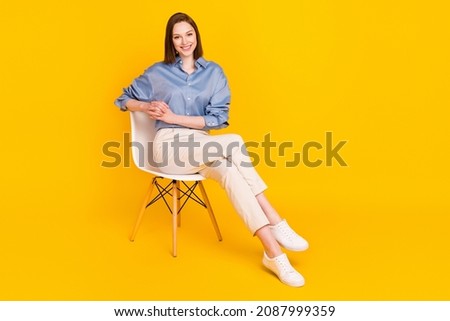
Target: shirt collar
[(202, 62)]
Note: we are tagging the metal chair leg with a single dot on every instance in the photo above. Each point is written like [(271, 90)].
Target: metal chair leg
[(210, 210)]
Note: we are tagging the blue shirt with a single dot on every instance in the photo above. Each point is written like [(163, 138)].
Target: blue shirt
[(204, 92)]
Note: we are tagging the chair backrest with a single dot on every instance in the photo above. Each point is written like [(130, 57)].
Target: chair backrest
[(142, 135)]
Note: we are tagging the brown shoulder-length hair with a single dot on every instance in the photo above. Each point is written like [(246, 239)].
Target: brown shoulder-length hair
[(169, 50)]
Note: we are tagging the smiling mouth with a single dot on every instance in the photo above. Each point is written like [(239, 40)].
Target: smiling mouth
[(186, 47)]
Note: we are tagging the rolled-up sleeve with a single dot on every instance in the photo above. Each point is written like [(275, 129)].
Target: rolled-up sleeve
[(216, 112), (140, 89)]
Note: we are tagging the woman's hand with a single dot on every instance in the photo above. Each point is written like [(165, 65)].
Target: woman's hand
[(159, 110), (154, 109), (167, 115)]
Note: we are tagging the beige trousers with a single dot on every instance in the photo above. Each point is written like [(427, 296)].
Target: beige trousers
[(222, 158)]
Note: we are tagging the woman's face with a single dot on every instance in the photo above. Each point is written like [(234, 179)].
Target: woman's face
[(184, 39)]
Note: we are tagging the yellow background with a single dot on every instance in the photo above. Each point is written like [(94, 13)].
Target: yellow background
[(375, 73)]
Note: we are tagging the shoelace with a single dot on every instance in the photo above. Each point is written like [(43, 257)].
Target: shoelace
[(284, 228), (285, 266)]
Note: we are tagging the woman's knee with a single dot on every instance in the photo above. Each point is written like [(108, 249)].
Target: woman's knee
[(234, 144)]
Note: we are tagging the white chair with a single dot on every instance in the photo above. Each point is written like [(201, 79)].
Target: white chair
[(142, 135)]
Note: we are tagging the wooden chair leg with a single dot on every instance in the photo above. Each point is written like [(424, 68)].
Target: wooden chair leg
[(178, 204), (141, 213), (210, 210), (174, 217)]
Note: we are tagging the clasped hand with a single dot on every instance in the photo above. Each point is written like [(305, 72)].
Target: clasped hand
[(159, 110)]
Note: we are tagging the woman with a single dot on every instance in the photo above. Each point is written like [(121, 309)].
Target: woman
[(188, 96)]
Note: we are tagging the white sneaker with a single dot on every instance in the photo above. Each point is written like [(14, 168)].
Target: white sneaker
[(287, 237), (283, 269)]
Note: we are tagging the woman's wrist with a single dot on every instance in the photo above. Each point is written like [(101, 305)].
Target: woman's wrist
[(175, 119), (136, 105), (142, 106)]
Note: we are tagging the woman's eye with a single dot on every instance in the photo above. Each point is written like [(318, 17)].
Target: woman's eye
[(190, 34)]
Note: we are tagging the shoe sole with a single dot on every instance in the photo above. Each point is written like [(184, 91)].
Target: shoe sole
[(301, 249)]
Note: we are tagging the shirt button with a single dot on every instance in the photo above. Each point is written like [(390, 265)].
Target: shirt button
[(189, 84), (189, 98), (187, 113)]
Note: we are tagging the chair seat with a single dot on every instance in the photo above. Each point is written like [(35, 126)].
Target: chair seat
[(181, 177)]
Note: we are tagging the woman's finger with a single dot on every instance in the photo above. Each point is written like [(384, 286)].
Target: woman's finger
[(163, 106)]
